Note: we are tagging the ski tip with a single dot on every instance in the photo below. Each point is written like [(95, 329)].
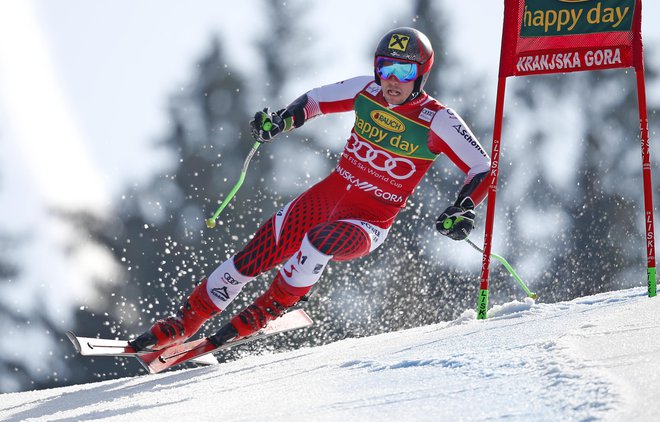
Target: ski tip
[(205, 360), (309, 319), (74, 340), (301, 317)]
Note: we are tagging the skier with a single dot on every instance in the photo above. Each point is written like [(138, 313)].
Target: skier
[(399, 131)]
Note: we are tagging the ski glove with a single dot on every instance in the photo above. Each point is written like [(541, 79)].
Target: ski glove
[(457, 221), (266, 125)]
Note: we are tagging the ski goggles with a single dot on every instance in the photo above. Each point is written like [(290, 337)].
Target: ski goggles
[(402, 70)]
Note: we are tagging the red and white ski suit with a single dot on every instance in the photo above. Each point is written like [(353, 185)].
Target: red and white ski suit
[(348, 214)]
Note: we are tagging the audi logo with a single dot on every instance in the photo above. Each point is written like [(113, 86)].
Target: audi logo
[(397, 167)]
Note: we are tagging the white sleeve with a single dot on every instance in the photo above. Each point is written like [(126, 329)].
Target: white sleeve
[(337, 97), (454, 138)]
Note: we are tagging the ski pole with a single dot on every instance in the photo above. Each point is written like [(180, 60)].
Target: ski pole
[(508, 267), (210, 222)]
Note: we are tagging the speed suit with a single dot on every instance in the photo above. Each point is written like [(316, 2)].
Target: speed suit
[(349, 213)]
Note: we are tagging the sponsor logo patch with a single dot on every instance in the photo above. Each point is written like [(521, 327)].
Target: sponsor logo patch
[(369, 187), (387, 121), (426, 115), (398, 42), (231, 280), (373, 89), (221, 293)]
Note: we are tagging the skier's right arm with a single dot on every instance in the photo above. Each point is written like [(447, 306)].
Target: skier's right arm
[(333, 98), (266, 124)]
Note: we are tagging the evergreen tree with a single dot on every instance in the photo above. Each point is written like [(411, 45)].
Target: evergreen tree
[(23, 315), (14, 373), (157, 234)]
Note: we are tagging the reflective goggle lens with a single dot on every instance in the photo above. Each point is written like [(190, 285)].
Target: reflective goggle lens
[(403, 71)]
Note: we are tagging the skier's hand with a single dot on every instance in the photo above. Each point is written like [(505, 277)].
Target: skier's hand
[(266, 124), (457, 221)]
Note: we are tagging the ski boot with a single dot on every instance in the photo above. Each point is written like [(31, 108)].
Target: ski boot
[(196, 310), (272, 304)]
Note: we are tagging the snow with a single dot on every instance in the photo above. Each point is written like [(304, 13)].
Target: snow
[(593, 358)]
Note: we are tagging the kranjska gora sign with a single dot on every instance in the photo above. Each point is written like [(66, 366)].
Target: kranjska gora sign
[(543, 18), (569, 61)]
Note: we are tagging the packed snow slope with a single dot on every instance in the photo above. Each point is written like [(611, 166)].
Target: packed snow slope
[(594, 358)]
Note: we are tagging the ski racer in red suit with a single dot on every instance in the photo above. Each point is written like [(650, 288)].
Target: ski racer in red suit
[(399, 131)]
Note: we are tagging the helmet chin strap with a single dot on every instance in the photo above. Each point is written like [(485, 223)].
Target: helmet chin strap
[(417, 88)]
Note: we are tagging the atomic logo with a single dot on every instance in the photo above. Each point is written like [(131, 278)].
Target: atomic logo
[(221, 293)]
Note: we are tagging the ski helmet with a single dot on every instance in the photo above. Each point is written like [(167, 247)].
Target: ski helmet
[(407, 44)]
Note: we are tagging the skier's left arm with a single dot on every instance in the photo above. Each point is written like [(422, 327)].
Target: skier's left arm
[(451, 136)]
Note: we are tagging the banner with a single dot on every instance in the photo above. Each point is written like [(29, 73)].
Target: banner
[(557, 36)]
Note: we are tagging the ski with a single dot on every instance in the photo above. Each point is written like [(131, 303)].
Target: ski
[(198, 351), (89, 346), (161, 360)]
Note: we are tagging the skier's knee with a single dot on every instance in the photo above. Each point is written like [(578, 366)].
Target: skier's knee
[(316, 237), (341, 239)]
